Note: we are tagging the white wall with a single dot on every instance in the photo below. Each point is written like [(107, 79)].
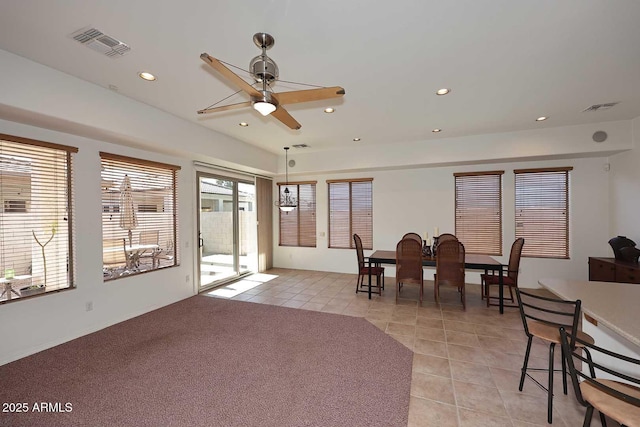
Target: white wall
[(35, 324), (625, 191), (422, 198)]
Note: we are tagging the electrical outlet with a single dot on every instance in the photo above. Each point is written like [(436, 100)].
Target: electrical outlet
[(89, 306), (186, 279)]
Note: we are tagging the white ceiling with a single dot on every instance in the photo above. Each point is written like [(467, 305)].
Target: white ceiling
[(507, 62)]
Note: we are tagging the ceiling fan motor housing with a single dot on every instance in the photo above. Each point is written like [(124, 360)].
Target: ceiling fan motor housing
[(263, 68)]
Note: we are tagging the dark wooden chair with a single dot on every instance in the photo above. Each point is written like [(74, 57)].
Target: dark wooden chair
[(414, 236), (409, 265), (365, 271), (509, 279), (450, 268), (542, 317), (617, 396), (444, 237)]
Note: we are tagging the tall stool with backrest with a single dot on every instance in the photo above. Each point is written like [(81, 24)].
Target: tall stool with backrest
[(542, 317), (450, 268), (615, 393), (510, 279), (409, 265), (364, 270)]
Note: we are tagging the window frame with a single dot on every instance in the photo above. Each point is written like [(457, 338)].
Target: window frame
[(168, 247), (466, 234), (536, 244), (58, 209), (367, 236), (312, 235)]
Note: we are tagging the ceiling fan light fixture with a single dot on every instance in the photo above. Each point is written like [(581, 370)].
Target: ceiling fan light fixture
[(263, 107), (264, 104)]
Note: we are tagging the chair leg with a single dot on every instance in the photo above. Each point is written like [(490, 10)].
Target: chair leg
[(511, 294), (603, 420), (550, 391), (564, 373), (487, 289), (587, 417), (525, 363), (397, 291)]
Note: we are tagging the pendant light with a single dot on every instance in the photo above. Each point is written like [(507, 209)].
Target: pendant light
[(287, 202)]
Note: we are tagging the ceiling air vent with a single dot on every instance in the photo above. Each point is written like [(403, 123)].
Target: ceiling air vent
[(100, 42), (600, 107), (300, 146)]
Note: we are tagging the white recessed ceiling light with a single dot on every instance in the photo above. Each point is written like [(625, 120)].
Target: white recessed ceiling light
[(443, 91), (329, 110), (356, 139), (436, 130), (541, 118), (243, 124), (147, 76)]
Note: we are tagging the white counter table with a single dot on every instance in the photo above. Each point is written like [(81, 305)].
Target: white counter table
[(614, 306)]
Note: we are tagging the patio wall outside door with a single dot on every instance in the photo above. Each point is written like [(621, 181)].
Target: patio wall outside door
[(227, 225)]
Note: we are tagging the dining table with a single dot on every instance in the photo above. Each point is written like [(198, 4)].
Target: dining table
[(471, 262)]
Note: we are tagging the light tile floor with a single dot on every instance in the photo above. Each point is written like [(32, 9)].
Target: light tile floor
[(466, 364)]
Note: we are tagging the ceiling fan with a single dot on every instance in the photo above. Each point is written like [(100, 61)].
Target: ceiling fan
[(265, 71)]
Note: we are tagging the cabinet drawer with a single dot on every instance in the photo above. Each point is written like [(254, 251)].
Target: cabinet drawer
[(627, 274), (601, 271)]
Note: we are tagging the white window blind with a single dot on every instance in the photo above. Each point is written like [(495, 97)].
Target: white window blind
[(298, 227), (478, 204), (350, 212), (542, 211), (36, 217), (139, 215)]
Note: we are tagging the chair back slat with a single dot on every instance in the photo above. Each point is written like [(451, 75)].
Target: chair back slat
[(359, 251), (414, 236), (409, 260), (550, 311), (450, 262), (514, 259), (587, 362)]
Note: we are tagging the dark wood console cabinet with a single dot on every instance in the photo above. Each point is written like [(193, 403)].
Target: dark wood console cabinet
[(612, 270)]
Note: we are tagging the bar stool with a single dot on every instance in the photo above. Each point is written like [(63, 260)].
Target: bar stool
[(617, 395), (542, 317)]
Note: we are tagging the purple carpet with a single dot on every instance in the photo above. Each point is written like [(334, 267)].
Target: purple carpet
[(210, 362)]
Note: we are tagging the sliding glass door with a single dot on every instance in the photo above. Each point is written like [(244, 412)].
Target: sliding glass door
[(227, 225)]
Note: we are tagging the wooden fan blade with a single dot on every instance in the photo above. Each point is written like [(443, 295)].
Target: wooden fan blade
[(230, 75), (307, 95), (225, 107), (284, 116)]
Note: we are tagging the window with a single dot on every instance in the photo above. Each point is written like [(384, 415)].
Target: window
[(542, 211), (139, 216), (479, 211), (298, 227), (350, 212), (36, 218)]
